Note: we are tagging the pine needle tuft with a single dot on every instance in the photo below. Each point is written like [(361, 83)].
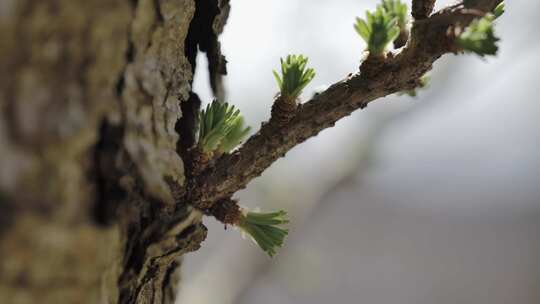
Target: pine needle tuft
[(378, 30), (221, 128), (295, 76), (264, 229)]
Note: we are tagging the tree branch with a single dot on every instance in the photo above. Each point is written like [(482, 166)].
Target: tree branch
[(378, 78), (421, 9)]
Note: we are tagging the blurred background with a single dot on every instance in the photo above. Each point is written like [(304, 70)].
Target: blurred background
[(433, 199)]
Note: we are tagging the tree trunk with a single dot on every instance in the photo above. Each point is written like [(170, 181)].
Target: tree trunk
[(97, 114)]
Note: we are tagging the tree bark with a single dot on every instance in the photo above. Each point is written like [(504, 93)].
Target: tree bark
[(96, 114)]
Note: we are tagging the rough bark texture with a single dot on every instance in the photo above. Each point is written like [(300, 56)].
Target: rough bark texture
[(91, 93)]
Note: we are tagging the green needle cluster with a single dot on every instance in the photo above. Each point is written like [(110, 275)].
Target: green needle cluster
[(378, 30), (499, 10), (263, 228), (294, 76), (397, 10), (479, 37), (221, 128)]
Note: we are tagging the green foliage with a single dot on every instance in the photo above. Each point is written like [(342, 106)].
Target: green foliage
[(397, 10), (294, 76), (221, 128), (378, 30), (263, 228), (499, 10), (479, 37)]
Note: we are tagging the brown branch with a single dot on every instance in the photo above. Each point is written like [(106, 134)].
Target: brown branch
[(401, 40), (421, 9), (378, 78)]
